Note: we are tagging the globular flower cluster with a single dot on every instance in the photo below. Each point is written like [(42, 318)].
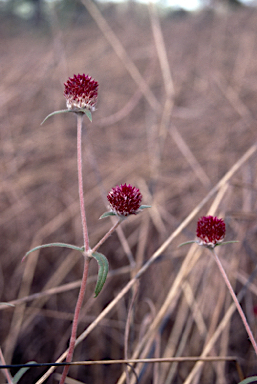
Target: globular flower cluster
[(81, 92), (210, 230), (125, 200)]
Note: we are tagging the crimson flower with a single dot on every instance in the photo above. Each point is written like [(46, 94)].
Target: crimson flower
[(210, 230), (125, 200), (81, 92)]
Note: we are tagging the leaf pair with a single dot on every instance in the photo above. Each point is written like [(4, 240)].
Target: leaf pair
[(103, 265), (79, 110), (111, 213)]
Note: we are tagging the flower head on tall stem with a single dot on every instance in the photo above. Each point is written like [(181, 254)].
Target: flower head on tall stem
[(81, 92), (210, 231), (125, 200)]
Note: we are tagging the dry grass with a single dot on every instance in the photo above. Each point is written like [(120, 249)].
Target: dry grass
[(176, 111)]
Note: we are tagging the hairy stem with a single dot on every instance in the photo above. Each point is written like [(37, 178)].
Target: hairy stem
[(75, 319), (80, 181), (86, 246), (100, 242), (239, 308)]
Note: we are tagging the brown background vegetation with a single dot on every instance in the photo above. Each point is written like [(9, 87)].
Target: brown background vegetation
[(175, 156)]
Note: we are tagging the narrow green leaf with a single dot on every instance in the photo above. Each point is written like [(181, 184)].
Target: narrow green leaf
[(63, 245), (56, 113), (103, 267), (227, 242), (249, 380), (21, 372), (187, 242), (78, 110), (8, 304), (107, 214), (144, 206), (89, 114)]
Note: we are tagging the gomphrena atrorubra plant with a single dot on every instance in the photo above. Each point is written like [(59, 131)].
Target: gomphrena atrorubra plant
[(81, 92)]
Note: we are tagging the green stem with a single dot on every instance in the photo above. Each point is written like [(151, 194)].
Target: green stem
[(239, 308)]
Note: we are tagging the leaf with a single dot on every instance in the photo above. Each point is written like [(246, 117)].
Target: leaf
[(56, 113), (21, 372), (251, 379), (144, 206), (89, 114), (227, 242), (77, 110), (187, 242), (107, 214), (103, 267), (63, 245), (8, 304)]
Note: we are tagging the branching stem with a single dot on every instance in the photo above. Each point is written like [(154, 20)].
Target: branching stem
[(87, 252), (100, 242), (75, 319)]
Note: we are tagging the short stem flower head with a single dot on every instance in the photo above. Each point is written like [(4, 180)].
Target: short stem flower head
[(210, 231), (125, 200), (81, 92)]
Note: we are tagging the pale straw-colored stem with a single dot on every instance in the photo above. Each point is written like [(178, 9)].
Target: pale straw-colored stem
[(6, 372), (239, 308)]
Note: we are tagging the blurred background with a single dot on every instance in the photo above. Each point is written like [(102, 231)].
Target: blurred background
[(176, 111)]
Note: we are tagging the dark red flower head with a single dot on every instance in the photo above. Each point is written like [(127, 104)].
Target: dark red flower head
[(81, 92), (125, 200), (210, 230)]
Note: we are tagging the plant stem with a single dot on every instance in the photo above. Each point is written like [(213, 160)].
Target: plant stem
[(80, 181), (239, 308), (86, 246), (75, 319), (80, 301), (100, 242)]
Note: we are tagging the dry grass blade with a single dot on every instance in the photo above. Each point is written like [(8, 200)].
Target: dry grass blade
[(6, 372), (192, 161), (122, 54)]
